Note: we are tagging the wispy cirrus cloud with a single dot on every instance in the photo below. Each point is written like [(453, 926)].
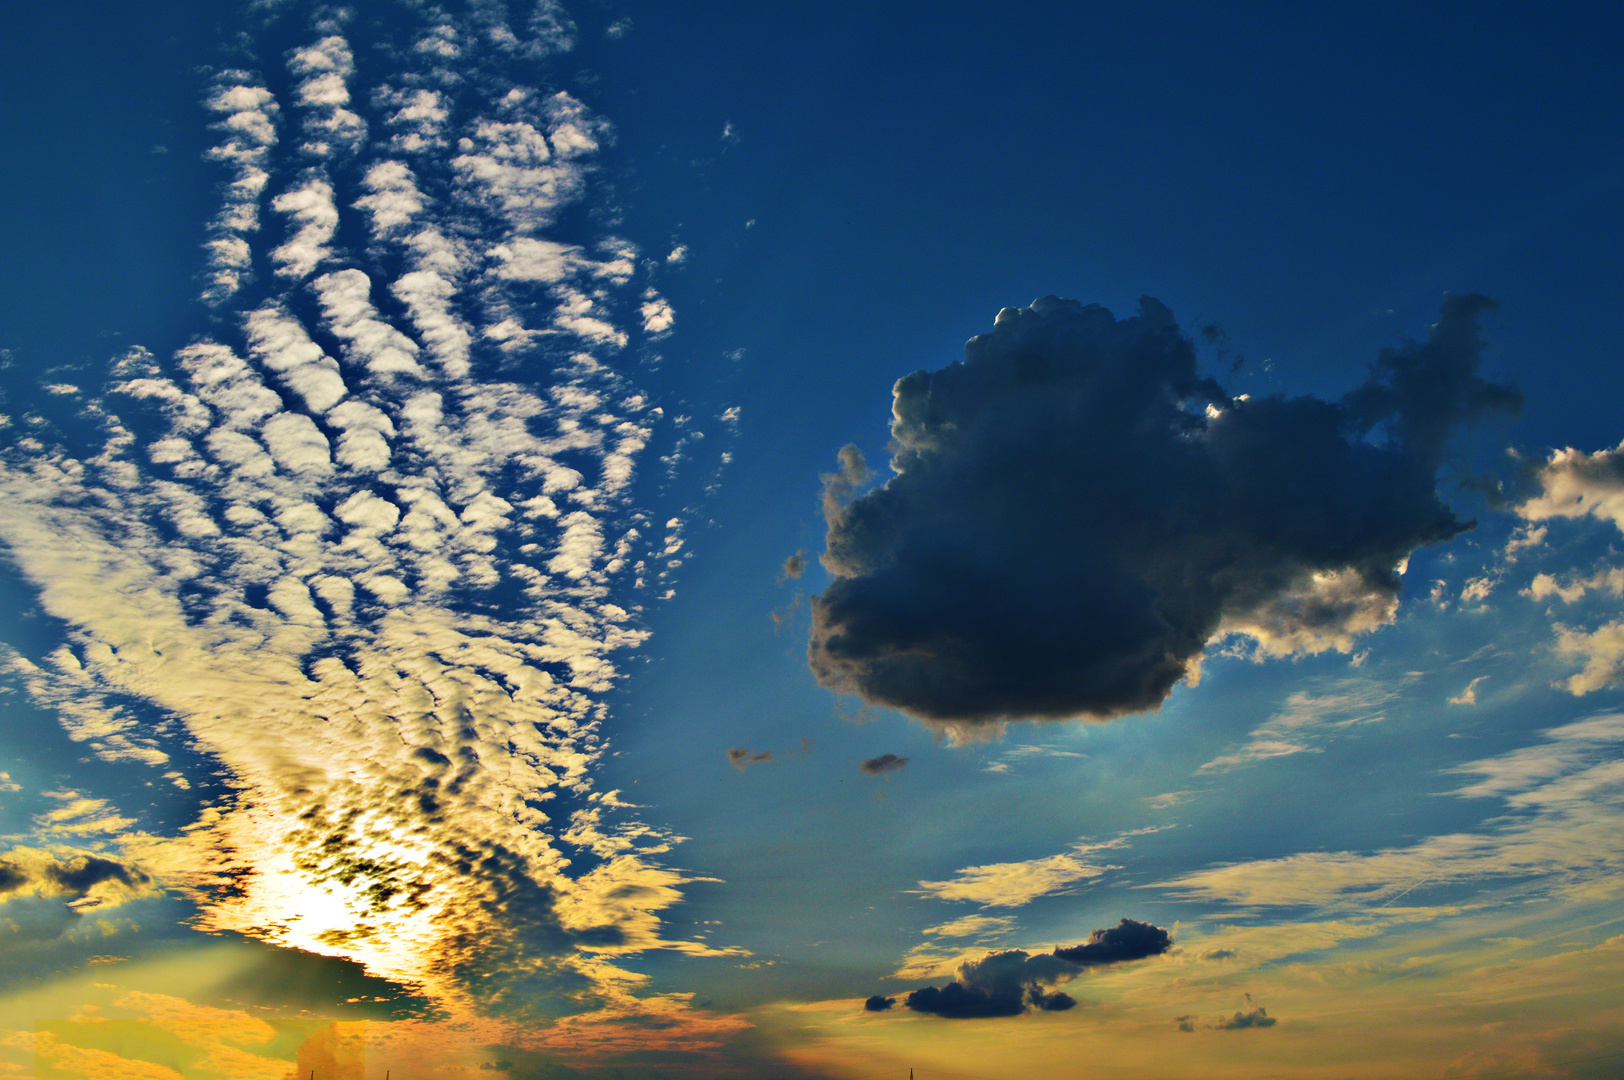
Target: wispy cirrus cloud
[(1563, 819), (1307, 720)]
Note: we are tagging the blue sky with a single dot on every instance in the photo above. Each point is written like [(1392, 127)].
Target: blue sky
[(409, 413)]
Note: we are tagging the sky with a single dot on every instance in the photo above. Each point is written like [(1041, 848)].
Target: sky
[(732, 540)]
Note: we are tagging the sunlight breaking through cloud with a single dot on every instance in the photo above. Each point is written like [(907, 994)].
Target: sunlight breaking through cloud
[(373, 539)]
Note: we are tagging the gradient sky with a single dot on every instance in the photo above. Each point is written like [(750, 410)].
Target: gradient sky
[(512, 568)]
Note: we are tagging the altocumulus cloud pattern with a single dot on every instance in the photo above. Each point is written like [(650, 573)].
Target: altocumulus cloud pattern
[(1075, 513), (373, 540)]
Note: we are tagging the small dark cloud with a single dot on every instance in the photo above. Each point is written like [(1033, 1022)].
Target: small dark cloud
[(12, 877), (1185, 1023), (1076, 512), (885, 763), (741, 758), (1257, 1018), (1010, 983), (79, 876), (879, 1003), (1218, 954), (1127, 940), (795, 565), (73, 877)]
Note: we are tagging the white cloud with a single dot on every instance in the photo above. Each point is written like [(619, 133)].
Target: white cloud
[(973, 926), (418, 120), (346, 300), (529, 259), (1576, 484), (1544, 585), (281, 343), (394, 201), (1468, 696), (1321, 611), (1015, 884), (311, 209), (247, 117), (322, 93), (1602, 652), (297, 445), (657, 313)]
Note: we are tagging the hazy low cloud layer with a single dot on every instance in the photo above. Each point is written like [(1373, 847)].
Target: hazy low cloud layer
[(1075, 512), (1010, 983)]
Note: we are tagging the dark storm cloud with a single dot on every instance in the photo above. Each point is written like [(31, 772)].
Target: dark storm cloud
[(885, 763), (1076, 512), (879, 1003), (1010, 983), (1257, 1018), (1128, 940)]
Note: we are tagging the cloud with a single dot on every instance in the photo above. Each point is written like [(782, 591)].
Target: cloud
[(1575, 484), (878, 1003), (1307, 720), (1468, 696), (1563, 826), (1010, 983), (885, 763), (86, 879), (1602, 652), (1074, 513), (741, 758), (973, 926), (795, 565), (311, 209), (351, 562), (1256, 1018), (658, 315), (1128, 940), (1545, 585), (1001, 984), (1014, 884)]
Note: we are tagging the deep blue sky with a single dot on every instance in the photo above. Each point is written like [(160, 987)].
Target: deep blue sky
[(859, 189)]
